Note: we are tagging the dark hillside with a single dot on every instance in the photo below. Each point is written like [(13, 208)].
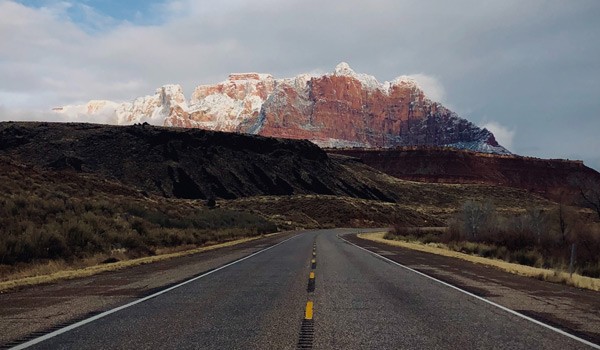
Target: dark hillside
[(185, 163)]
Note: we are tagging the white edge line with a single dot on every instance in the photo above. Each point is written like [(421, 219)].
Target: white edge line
[(557, 330), (135, 302)]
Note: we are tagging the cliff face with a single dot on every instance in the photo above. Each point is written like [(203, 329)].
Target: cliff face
[(341, 109), (348, 109), (551, 178), (227, 105)]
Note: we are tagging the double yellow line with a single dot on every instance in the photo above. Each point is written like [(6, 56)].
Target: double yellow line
[(308, 313)]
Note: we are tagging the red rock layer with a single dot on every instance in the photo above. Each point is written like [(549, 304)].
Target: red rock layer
[(550, 178), (341, 108)]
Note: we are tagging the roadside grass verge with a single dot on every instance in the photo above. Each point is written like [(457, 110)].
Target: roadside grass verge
[(554, 276), (53, 271)]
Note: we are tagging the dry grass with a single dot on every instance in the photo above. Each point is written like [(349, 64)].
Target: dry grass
[(522, 270), (55, 271), (326, 211), (420, 204), (52, 221)]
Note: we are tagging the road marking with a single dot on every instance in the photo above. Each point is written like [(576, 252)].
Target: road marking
[(308, 314), (122, 307), (539, 323), (307, 330)]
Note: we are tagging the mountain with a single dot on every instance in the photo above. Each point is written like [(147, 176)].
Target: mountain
[(341, 109)]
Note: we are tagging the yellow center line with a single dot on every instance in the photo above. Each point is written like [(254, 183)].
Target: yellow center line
[(312, 275), (308, 315)]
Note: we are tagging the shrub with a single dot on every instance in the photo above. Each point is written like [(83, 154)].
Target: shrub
[(57, 247), (54, 229), (528, 257), (591, 269), (211, 203)]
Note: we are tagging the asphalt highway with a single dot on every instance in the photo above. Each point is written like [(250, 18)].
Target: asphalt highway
[(314, 290)]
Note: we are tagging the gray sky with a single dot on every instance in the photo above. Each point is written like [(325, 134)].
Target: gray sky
[(528, 70)]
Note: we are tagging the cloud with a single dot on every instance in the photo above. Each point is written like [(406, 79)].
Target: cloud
[(531, 65), (39, 115), (431, 86), (503, 135)]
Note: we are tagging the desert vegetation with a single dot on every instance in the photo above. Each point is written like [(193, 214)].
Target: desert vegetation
[(550, 238), (48, 216), (589, 191), (323, 211)]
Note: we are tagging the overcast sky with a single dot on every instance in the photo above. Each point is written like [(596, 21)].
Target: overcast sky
[(527, 70)]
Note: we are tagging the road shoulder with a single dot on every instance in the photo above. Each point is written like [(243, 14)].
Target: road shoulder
[(574, 310), (528, 271), (32, 311)]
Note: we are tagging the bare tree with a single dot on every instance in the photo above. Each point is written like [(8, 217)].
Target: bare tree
[(564, 215), (562, 221), (589, 189), (537, 223), (476, 217)]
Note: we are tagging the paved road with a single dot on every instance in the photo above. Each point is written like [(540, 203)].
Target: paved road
[(360, 301)]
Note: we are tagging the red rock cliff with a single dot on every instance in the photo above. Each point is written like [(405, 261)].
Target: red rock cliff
[(341, 109)]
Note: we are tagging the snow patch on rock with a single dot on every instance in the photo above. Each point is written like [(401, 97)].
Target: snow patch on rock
[(368, 81), (371, 83)]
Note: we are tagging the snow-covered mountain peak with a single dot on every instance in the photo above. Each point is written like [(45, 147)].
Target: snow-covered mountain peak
[(344, 69), (368, 81), (406, 81)]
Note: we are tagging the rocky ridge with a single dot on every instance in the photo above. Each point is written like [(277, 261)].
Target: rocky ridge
[(340, 109)]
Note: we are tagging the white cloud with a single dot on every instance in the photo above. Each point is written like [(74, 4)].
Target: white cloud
[(30, 114), (431, 86), (503, 134)]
